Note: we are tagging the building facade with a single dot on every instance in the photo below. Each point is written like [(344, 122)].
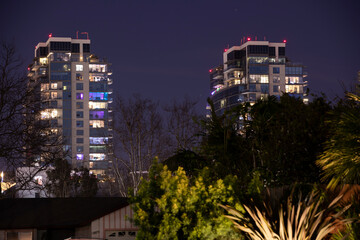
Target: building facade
[(75, 92), (252, 71)]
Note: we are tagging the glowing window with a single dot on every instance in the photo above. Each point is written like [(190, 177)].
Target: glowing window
[(97, 114), (98, 140), (54, 95), (293, 89), (43, 61), (97, 67), (79, 68), (54, 86), (97, 105), (222, 103), (79, 95), (97, 156), (49, 113), (79, 77), (79, 156), (44, 86), (97, 123), (98, 96)]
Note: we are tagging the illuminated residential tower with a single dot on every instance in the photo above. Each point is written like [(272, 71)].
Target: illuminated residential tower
[(254, 70), (75, 96)]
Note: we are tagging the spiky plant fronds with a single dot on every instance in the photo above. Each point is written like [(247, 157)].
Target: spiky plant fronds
[(305, 220), (341, 158)]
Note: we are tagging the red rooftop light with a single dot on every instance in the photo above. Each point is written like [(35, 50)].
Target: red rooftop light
[(284, 41), (225, 49), (50, 35), (210, 70), (249, 39)]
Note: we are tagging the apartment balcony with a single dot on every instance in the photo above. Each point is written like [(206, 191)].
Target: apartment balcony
[(233, 68)]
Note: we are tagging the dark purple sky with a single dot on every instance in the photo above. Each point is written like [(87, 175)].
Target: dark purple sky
[(164, 49)]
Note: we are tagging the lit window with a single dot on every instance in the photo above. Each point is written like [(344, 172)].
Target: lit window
[(49, 113), (44, 86), (79, 77), (54, 86), (293, 80), (97, 156), (222, 103), (79, 156), (293, 89), (97, 105), (79, 96), (54, 95), (97, 114), (276, 88), (38, 180), (98, 140), (96, 123), (264, 79), (79, 68), (97, 67), (98, 96), (259, 78), (43, 61)]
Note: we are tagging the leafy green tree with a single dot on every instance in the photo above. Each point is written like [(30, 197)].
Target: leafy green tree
[(226, 150), (171, 206), (66, 182), (286, 136)]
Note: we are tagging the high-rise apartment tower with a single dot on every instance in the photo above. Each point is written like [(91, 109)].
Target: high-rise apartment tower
[(75, 96), (252, 71)]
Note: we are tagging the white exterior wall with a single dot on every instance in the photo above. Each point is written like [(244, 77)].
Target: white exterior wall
[(115, 221)]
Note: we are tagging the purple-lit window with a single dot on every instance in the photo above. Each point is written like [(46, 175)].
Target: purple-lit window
[(79, 156), (79, 95), (97, 114), (98, 96)]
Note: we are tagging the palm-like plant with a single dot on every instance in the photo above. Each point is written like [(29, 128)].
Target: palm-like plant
[(304, 221), (341, 158)]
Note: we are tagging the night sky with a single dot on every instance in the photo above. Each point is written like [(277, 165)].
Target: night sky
[(164, 49)]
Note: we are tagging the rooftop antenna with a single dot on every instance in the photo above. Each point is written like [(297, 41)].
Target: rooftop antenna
[(241, 42), (264, 38), (87, 34), (255, 38), (77, 34)]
